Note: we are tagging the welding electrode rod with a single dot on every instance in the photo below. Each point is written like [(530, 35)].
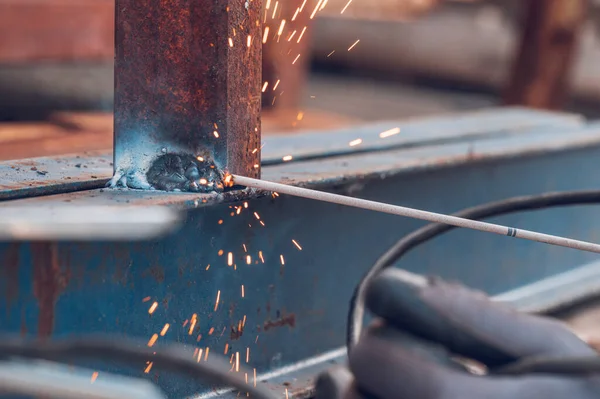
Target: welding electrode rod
[(416, 214)]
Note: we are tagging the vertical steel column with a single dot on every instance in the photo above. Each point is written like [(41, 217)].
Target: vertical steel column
[(187, 92), (545, 58)]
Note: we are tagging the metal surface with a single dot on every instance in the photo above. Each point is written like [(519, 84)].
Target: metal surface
[(187, 91), (86, 223), (46, 176), (53, 380), (57, 289)]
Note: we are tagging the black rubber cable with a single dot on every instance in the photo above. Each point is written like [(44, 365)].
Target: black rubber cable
[(172, 357), (430, 231)]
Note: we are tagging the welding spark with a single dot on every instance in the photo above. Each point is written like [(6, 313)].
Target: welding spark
[(300, 116), (286, 394), (266, 35), (230, 42), (282, 260), (226, 349), (296, 14), (256, 215), (264, 88), (216, 134), (153, 307), (206, 353), (301, 34), (292, 35), (256, 166), (148, 368), (297, 245), (249, 41), (193, 324), (356, 142), (260, 255), (295, 59), (389, 133), (237, 362), (220, 252), (207, 267), (346, 6), (302, 6), (199, 355), (94, 377), (268, 4), (330, 54), (217, 301), (146, 299), (248, 260), (204, 182), (276, 84), (230, 259), (355, 43), (153, 340), (280, 31), (245, 205), (243, 291), (248, 355), (287, 158), (199, 158), (275, 9), (220, 221), (164, 330), (244, 246), (316, 9)]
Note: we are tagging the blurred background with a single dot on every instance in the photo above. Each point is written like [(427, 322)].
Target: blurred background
[(353, 61)]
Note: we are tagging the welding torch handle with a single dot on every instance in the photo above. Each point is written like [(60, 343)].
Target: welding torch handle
[(416, 214)]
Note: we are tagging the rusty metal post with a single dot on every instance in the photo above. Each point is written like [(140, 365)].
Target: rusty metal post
[(187, 92), (539, 76)]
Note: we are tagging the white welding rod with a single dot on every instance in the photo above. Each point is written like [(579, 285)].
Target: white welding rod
[(416, 214)]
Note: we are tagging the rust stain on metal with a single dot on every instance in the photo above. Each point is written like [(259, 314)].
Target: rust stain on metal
[(10, 272), (185, 70), (282, 321), (49, 282), (156, 272)]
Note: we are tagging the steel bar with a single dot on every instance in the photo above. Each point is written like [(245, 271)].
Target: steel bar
[(416, 214), (187, 91)]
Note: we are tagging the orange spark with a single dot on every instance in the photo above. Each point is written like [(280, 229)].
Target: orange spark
[(94, 377), (287, 158), (260, 255), (146, 299), (230, 259), (389, 133), (164, 330), (230, 42), (297, 245), (355, 43), (282, 260), (148, 368), (216, 134), (217, 301), (266, 35), (356, 142), (330, 54), (249, 41), (295, 59), (264, 88), (243, 293), (153, 340), (276, 84), (248, 259), (346, 6), (301, 34), (153, 307)]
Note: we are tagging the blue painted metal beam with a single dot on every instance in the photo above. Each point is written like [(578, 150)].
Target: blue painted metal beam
[(292, 306)]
